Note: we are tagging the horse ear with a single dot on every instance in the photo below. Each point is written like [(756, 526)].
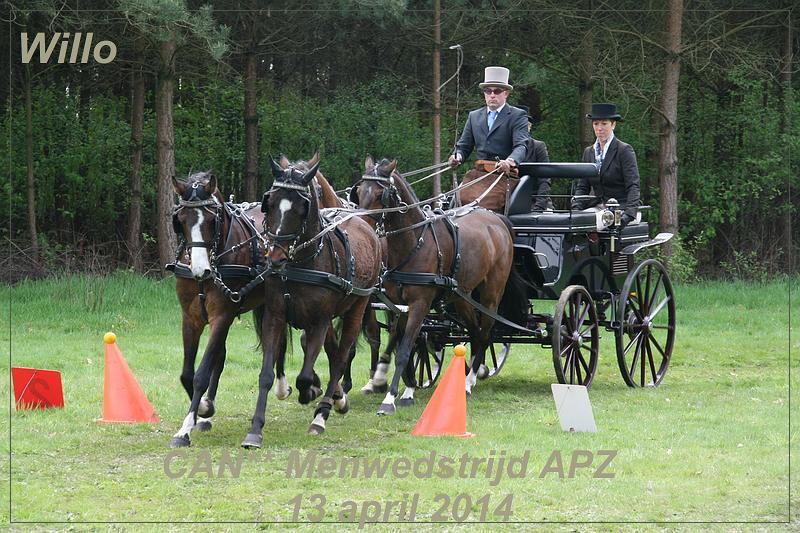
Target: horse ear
[(391, 166), (369, 163), (179, 186), (277, 170), (284, 162), (314, 159), (308, 176), (211, 186)]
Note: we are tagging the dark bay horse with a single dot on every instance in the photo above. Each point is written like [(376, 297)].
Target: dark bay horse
[(219, 239), (471, 252), (316, 277)]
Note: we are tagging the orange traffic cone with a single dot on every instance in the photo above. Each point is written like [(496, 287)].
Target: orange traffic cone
[(446, 412), (124, 401)]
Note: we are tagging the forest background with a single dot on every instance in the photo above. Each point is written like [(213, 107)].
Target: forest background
[(706, 88)]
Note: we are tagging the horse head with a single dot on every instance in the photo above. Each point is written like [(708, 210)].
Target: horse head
[(290, 207), (198, 219)]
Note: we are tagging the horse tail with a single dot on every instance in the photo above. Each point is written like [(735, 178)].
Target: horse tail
[(514, 303), (258, 315)]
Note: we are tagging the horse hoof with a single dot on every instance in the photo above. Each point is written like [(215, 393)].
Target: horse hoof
[(285, 396), (204, 425), (386, 409), (252, 441), (206, 408), (380, 388), (483, 372), (342, 405), (406, 402), (180, 442), (315, 429)]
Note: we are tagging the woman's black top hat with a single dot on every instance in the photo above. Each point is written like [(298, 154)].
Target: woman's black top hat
[(603, 112)]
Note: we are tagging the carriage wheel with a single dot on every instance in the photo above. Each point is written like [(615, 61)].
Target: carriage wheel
[(576, 337), (495, 358), (426, 361), (646, 330)]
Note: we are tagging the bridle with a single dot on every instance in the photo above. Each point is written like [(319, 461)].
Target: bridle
[(273, 240), (390, 196), (194, 202)]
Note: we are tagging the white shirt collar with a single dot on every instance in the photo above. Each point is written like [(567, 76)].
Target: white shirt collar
[(605, 148)]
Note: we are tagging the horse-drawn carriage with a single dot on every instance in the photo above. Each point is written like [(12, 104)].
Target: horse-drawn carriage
[(449, 277), (588, 265)]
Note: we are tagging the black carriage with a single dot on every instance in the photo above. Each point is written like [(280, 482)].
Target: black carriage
[(583, 261)]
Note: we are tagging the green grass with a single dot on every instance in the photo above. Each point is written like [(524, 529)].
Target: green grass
[(710, 444)]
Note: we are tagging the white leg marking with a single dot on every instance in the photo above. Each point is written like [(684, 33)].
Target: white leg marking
[(199, 256), (340, 403), (380, 374), (186, 428), (389, 398), (282, 391), (369, 387), (470, 381), (408, 394)]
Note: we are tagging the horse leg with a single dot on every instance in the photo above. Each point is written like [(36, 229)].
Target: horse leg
[(308, 383), (334, 395), (273, 329), (207, 407), (471, 322), (191, 331), (395, 334), (416, 313), (214, 350), (372, 331), (282, 390)]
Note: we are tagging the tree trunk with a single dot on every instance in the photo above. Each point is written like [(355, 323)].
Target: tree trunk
[(165, 153), (437, 99), (30, 180), (787, 242), (251, 185), (585, 85), (135, 248), (668, 159)]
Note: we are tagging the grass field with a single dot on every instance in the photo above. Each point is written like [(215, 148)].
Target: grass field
[(709, 445)]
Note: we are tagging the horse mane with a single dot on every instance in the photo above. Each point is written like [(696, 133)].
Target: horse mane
[(327, 196)]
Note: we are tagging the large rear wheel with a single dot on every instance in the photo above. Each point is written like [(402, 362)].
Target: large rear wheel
[(426, 362), (646, 331), (575, 337)]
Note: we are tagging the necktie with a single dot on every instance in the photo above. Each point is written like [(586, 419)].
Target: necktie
[(492, 116), (598, 150)]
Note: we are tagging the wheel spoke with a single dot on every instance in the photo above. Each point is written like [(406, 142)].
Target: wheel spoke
[(654, 293), (589, 328), (634, 339), (642, 361), (658, 346), (577, 365), (659, 307), (652, 363), (580, 321), (582, 361), (636, 354), (494, 356), (572, 367)]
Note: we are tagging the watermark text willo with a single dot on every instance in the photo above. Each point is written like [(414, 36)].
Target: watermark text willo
[(78, 45)]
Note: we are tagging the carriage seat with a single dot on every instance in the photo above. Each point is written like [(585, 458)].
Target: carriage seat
[(557, 222)]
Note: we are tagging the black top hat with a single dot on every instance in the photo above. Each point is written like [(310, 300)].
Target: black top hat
[(527, 111), (603, 112)]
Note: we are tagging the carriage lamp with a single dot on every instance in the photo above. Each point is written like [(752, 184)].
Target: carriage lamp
[(613, 205), (607, 218)]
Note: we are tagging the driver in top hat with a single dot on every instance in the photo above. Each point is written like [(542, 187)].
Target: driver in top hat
[(619, 173), (498, 131)]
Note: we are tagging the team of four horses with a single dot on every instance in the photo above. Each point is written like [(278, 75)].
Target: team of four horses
[(304, 258)]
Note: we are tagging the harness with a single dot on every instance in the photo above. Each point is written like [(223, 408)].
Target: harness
[(390, 198), (221, 272), (341, 280)]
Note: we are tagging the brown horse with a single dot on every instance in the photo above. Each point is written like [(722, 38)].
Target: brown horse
[(316, 277), (473, 252), (219, 239)]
